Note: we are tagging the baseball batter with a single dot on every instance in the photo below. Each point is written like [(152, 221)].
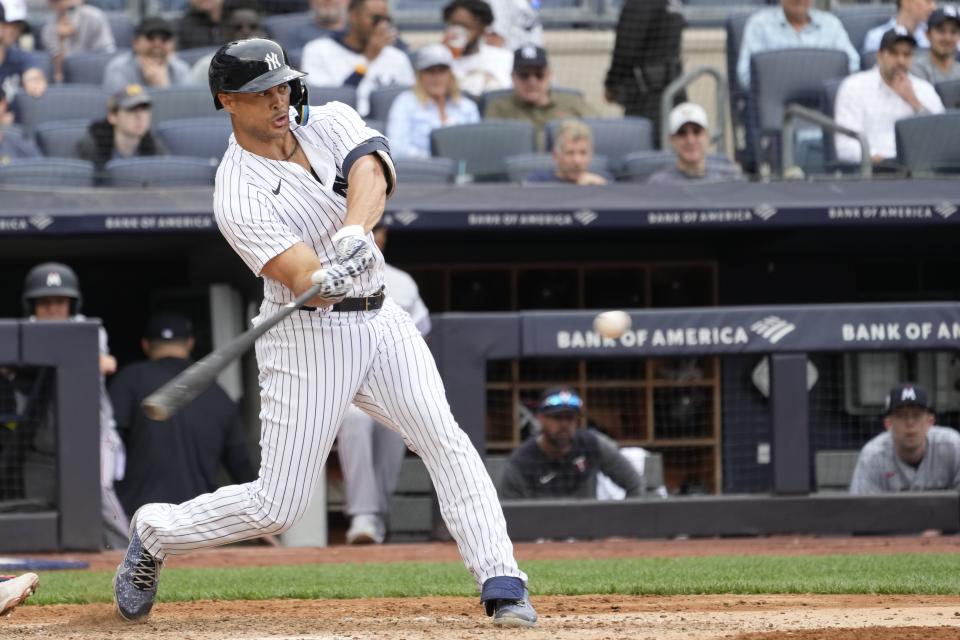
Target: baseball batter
[(297, 193)]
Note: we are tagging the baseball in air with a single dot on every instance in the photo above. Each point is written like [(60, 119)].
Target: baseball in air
[(612, 324)]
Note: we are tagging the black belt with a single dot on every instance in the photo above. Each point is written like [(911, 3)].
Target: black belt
[(370, 303)]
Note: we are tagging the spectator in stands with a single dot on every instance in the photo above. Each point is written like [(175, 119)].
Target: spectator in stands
[(646, 57), (152, 63), (364, 57), (433, 102), (479, 67), (690, 138), (940, 63), (912, 454), (14, 26), (912, 15), (13, 144), (241, 19), (792, 25), (563, 460), (75, 27), (199, 26), (515, 23), (329, 19), (532, 99), (872, 101), (174, 460), (125, 133), (18, 68), (572, 155)]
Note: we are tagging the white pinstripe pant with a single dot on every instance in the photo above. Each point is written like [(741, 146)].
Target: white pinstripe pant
[(311, 367)]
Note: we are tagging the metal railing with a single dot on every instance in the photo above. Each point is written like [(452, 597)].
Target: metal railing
[(719, 135), (796, 112)]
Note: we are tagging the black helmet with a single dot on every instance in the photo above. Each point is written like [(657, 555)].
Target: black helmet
[(254, 65), (51, 279)]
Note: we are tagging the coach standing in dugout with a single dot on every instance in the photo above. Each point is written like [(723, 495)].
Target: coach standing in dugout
[(646, 57), (912, 454), (176, 459)]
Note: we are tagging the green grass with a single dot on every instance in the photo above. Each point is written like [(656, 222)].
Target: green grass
[(934, 574)]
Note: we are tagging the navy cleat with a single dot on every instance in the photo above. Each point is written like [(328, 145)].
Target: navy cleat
[(508, 601), (135, 584)]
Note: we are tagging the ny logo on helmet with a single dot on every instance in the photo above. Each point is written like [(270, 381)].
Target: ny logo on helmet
[(54, 280), (273, 61)]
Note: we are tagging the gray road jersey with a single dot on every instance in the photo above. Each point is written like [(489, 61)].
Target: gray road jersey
[(879, 470)]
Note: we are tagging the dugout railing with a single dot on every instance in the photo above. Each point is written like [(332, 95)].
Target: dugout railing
[(464, 343)]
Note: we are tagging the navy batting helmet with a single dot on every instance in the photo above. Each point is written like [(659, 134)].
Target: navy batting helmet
[(51, 279), (254, 65)]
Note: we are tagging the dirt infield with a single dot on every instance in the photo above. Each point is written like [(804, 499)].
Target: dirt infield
[(765, 617)]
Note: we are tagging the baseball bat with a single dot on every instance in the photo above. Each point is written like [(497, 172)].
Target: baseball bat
[(171, 397)]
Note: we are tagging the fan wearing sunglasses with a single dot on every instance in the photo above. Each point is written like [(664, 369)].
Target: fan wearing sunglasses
[(242, 19), (153, 62)]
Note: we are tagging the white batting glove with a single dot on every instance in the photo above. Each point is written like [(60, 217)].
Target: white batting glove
[(334, 282), (354, 251)]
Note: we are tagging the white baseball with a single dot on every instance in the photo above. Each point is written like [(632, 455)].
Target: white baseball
[(612, 324)]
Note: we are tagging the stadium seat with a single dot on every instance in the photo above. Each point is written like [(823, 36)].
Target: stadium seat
[(828, 99), (566, 14), (418, 14), (45, 62), (490, 96), (123, 27), (295, 57), (61, 102), (47, 173), (108, 5), (86, 68), (195, 137), (426, 170), (950, 93), (522, 165), (59, 139), (323, 95), (857, 19), (382, 99), (783, 77), (640, 165), (739, 97), (484, 145), (181, 102), (293, 30), (613, 137), (190, 56), (867, 60), (159, 171), (929, 144)]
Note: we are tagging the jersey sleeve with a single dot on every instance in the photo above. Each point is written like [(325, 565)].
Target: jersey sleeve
[(866, 473), (249, 222), (348, 139)]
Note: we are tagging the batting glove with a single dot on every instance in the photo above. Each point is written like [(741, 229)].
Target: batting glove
[(354, 251), (334, 282)]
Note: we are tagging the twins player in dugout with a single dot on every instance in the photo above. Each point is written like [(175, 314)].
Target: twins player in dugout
[(297, 193)]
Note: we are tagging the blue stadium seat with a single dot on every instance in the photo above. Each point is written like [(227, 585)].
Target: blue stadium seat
[(426, 170), (61, 102), (613, 137), (47, 173), (295, 57), (739, 97), (205, 138), (181, 102), (857, 19), (293, 30), (45, 62), (640, 165), (867, 60), (190, 56), (490, 96), (86, 68), (323, 95), (564, 14), (382, 99), (482, 146), (929, 144), (108, 5), (418, 14), (59, 139), (159, 171), (522, 165), (950, 93), (123, 27)]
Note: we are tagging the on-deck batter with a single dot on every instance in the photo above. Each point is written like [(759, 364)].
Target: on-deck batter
[(293, 199)]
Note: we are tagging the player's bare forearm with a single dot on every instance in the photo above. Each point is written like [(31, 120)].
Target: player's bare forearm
[(293, 269), (367, 195)]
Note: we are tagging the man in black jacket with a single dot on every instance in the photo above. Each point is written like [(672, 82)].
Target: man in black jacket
[(125, 132), (177, 459), (646, 57)]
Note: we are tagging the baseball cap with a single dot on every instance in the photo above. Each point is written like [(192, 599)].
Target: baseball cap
[(168, 325), (154, 24), (898, 34), (529, 55), (131, 96), (434, 55), (907, 395), (942, 14), (684, 113), (13, 10), (559, 399)]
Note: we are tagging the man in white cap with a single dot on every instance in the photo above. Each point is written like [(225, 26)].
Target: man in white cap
[(690, 138), (19, 69)]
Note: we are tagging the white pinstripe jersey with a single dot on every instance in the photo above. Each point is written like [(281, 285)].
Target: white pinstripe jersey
[(263, 206)]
